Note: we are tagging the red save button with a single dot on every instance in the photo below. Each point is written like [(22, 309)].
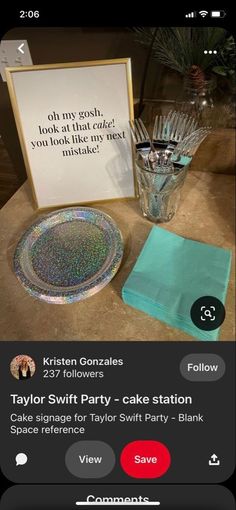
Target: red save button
[(145, 459)]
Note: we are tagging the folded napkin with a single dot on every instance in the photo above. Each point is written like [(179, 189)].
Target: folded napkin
[(171, 273)]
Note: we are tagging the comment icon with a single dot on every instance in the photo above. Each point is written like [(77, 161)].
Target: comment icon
[(21, 459)]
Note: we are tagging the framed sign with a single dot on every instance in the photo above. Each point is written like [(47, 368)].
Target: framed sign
[(73, 124)]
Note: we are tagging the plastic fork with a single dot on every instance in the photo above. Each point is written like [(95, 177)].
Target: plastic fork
[(142, 141), (161, 132), (185, 150), (169, 130), (140, 135)]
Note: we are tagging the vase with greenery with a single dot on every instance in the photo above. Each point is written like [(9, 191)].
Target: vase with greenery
[(182, 49)]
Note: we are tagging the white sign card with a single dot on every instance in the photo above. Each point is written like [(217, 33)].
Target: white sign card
[(73, 125)]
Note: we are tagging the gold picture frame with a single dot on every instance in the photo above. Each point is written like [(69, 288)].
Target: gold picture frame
[(25, 110)]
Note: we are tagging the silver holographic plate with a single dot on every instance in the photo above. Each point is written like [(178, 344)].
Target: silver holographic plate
[(68, 255)]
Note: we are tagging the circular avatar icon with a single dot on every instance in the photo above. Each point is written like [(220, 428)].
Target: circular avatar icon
[(22, 367)]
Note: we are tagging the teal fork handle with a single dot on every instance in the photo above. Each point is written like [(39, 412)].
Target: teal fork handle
[(181, 160)]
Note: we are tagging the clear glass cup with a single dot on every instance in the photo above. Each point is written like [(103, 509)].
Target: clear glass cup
[(159, 189)]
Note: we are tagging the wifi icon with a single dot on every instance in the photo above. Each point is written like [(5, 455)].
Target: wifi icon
[(203, 13)]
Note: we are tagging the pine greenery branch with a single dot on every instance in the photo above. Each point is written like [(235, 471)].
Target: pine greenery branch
[(179, 48)]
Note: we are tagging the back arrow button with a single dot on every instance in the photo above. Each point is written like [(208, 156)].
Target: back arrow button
[(20, 48)]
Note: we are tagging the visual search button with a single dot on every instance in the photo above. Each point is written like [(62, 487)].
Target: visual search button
[(207, 313)]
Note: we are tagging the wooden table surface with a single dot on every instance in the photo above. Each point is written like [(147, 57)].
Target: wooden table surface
[(206, 214)]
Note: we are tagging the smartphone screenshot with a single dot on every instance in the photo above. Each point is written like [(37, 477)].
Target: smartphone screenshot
[(117, 260)]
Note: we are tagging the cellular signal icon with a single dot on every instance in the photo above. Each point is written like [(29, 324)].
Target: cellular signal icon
[(191, 14)]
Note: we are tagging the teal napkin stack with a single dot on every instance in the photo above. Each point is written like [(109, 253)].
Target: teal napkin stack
[(171, 273)]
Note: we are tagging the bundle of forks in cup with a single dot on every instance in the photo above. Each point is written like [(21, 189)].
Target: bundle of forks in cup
[(163, 159), (175, 139)]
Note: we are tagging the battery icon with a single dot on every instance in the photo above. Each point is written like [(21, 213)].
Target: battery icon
[(218, 14)]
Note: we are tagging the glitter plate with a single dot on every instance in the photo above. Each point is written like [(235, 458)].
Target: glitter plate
[(68, 255)]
